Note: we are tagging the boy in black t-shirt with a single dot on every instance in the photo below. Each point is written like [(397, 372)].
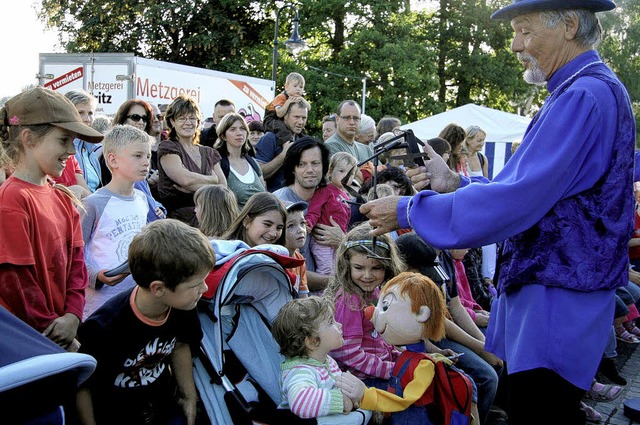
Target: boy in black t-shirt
[(142, 338)]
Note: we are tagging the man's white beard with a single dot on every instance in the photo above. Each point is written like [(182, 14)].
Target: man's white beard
[(533, 74)]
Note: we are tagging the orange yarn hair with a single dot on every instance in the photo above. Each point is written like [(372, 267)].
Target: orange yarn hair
[(422, 291)]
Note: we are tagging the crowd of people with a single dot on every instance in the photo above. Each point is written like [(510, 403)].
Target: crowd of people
[(106, 227)]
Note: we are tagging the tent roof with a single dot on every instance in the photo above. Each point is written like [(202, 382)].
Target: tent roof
[(500, 126)]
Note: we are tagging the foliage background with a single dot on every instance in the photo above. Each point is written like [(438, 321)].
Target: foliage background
[(419, 57)]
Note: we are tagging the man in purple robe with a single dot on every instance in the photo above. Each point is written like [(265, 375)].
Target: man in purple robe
[(562, 207)]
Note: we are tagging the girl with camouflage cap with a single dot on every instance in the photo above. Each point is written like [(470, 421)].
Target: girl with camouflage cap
[(41, 250)]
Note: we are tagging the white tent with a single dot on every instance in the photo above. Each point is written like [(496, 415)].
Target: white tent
[(502, 129)]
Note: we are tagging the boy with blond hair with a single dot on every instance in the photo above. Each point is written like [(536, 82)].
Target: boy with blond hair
[(115, 213), (142, 338)]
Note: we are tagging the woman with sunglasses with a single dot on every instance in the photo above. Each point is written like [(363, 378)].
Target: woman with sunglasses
[(135, 112), (185, 165)]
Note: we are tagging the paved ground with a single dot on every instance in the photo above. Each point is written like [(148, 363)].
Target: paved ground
[(628, 362)]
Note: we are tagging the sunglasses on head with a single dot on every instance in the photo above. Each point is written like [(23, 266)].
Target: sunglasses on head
[(136, 117)]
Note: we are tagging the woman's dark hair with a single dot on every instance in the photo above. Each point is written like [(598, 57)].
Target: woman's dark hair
[(391, 174), (292, 159), (440, 145), (397, 175), (455, 135), (121, 115), (256, 126), (387, 124)]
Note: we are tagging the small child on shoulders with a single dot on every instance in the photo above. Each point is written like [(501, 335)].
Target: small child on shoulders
[(296, 236), (330, 202), (115, 213), (311, 379), (142, 338), (277, 109)]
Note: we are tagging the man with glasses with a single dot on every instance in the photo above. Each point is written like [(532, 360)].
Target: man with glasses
[(344, 139)]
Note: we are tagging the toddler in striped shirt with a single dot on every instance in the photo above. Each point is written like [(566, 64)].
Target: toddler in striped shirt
[(312, 383)]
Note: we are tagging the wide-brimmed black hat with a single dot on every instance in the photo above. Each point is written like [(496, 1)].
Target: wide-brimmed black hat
[(520, 7), (421, 256)]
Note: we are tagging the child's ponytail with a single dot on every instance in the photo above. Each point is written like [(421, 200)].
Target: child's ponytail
[(74, 200)]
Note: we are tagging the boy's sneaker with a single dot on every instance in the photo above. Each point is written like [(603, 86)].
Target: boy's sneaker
[(625, 336)]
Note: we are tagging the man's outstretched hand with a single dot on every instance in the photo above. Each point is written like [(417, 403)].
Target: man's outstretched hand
[(436, 174), (382, 214)]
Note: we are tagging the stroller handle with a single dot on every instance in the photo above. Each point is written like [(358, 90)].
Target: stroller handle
[(236, 394)]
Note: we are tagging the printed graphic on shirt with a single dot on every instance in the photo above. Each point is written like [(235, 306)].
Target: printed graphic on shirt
[(147, 366), (125, 228)]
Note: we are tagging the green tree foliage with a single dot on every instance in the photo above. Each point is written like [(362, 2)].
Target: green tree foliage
[(473, 54), (620, 47), (416, 62), (210, 34)]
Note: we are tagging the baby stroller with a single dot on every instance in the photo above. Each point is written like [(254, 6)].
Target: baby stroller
[(237, 370), (37, 377)]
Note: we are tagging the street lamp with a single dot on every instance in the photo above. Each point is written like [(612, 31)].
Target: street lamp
[(294, 44)]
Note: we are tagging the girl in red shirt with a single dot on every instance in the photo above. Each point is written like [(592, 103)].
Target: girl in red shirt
[(42, 271)]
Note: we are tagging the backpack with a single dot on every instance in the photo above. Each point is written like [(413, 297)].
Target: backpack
[(224, 164), (481, 159), (450, 391)]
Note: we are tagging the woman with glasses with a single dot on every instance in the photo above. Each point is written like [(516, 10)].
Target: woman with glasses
[(185, 165)]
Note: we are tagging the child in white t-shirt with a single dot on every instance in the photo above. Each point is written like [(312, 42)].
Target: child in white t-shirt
[(115, 213)]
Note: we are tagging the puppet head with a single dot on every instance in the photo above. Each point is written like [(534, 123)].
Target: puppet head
[(410, 309)]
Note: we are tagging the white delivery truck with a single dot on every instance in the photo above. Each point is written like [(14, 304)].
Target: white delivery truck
[(116, 77)]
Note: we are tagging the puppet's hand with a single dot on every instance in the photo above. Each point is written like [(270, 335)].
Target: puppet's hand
[(351, 386)]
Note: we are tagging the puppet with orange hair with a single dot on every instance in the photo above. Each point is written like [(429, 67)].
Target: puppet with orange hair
[(411, 309)]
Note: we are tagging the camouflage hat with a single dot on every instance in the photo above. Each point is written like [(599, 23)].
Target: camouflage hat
[(45, 106)]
